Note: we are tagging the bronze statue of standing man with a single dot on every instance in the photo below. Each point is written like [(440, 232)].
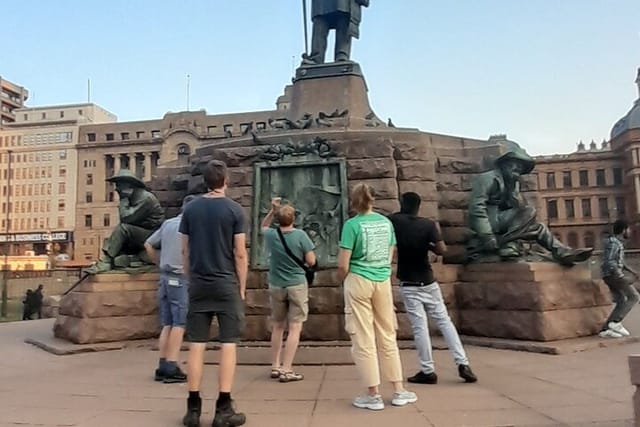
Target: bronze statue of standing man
[(341, 15)]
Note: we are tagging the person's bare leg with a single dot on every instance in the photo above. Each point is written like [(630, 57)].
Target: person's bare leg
[(174, 344), (163, 341), (227, 367), (290, 348), (195, 364), (277, 331)]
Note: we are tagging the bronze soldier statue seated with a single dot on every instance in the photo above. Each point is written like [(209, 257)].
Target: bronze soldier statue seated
[(500, 219), (140, 215)]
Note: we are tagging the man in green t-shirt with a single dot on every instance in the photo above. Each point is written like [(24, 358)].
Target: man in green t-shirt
[(288, 290)]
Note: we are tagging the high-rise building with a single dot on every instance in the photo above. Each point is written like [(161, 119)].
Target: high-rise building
[(38, 167), (12, 97)]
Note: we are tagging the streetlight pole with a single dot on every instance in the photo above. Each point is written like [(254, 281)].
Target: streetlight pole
[(5, 278)]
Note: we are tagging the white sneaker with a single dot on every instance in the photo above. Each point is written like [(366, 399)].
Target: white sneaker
[(609, 333), (404, 397), (375, 403), (617, 327)]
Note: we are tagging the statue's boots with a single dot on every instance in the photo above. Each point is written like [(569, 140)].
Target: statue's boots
[(101, 266), (509, 251), (569, 256)]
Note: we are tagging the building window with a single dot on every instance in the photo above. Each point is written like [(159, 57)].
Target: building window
[(584, 178), (566, 179), (261, 125), (155, 134), (88, 221), (79, 112), (552, 209), (586, 208), (60, 222), (61, 188), (62, 172), (61, 114), (106, 220), (110, 197), (139, 134), (63, 154), (569, 208), (589, 239), (620, 207), (91, 137), (617, 176), (109, 137), (600, 178), (61, 205), (89, 179), (44, 115), (551, 180), (211, 129), (124, 136), (26, 117), (89, 197), (603, 206)]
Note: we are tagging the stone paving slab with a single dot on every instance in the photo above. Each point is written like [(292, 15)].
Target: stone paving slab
[(115, 388)]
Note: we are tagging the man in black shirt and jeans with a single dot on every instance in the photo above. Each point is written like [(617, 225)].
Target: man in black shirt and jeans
[(215, 263), (415, 237)]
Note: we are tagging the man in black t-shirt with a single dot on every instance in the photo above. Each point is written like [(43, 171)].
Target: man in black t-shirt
[(421, 293), (215, 263)]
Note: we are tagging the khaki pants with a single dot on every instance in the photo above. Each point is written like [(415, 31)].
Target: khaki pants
[(370, 317)]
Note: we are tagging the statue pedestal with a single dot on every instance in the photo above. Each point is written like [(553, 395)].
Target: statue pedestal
[(329, 87), (110, 307), (530, 301)]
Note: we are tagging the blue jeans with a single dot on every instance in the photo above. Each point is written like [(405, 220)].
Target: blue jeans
[(173, 300), (420, 301)]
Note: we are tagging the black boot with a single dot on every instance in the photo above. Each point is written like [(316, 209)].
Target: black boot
[(465, 372), (422, 378), (194, 409), (226, 416)]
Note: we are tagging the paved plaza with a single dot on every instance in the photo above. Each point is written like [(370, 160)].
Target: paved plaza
[(115, 389)]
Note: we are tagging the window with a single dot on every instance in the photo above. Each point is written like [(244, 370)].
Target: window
[(603, 206), (600, 178), (88, 221), (89, 179), (566, 179), (569, 209), (155, 134), (106, 220), (91, 137), (44, 115), (109, 137), (110, 197), (261, 125), (88, 197), (584, 178), (62, 172), (552, 209), (63, 154), (244, 128), (79, 112), (124, 136), (211, 129), (586, 208), (617, 176), (61, 205), (139, 134), (589, 239), (227, 129), (61, 188), (60, 222), (26, 117), (551, 180), (620, 207), (61, 114)]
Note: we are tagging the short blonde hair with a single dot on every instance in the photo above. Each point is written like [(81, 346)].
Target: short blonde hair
[(286, 215), (362, 197)]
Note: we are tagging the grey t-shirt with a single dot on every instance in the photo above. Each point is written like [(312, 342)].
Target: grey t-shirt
[(211, 224), (283, 271), (167, 240)]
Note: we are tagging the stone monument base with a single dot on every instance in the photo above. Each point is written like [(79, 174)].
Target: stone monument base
[(110, 307), (530, 301)]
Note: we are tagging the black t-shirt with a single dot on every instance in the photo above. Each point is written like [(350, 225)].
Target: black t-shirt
[(415, 236), (211, 224)]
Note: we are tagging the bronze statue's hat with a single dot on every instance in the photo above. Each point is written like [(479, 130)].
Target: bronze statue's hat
[(125, 175), (510, 150)]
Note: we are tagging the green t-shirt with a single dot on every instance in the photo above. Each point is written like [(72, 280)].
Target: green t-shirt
[(369, 237), (283, 271)]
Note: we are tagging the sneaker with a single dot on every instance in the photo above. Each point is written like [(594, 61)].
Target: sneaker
[(177, 376), (465, 372), (422, 378), (159, 375), (609, 333), (374, 403), (228, 417), (404, 397), (617, 327), (287, 377)]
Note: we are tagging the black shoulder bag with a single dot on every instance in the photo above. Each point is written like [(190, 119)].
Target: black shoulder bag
[(309, 271)]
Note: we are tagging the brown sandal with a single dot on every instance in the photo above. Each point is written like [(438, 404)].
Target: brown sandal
[(290, 376)]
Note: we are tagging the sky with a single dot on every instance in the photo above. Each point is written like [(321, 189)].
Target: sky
[(547, 73)]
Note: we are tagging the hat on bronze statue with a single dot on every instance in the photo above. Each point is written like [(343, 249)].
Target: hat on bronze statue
[(125, 175), (510, 150)]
